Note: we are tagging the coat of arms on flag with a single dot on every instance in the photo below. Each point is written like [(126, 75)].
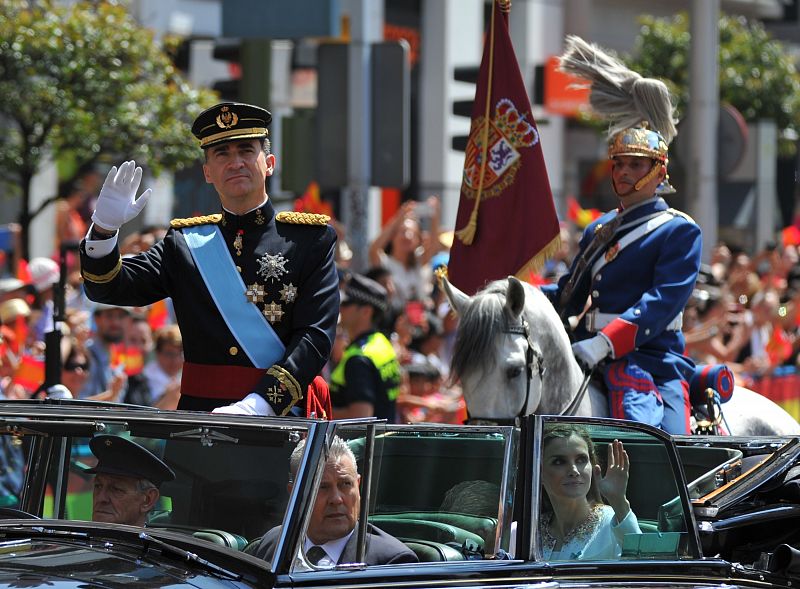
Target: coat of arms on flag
[(508, 133)]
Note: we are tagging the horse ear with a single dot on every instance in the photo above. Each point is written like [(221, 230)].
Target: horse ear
[(458, 300), (515, 299)]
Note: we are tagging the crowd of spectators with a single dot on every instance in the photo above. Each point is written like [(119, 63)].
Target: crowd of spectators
[(745, 312)]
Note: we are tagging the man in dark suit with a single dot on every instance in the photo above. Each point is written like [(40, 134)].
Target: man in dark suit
[(332, 531)]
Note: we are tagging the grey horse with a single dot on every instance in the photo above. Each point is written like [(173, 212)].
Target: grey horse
[(514, 358)]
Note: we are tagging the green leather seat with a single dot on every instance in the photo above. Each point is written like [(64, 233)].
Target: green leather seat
[(400, 526), (222, 537), (483, 526), (428, 551)]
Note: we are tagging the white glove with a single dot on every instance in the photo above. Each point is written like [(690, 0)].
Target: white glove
[(252, 404), (590, 352), (117, 203)]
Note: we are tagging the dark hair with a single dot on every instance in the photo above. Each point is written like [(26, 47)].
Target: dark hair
[(564, 431), (377, 273), (432, 327)]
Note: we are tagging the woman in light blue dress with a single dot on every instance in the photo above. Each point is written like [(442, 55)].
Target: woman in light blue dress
[(575, 523)]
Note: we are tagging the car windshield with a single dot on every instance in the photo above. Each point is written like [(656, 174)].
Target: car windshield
[(230, 482)]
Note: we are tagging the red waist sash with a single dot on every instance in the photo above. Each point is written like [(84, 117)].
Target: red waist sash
[(211, 381)]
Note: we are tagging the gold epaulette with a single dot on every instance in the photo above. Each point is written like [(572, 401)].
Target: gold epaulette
[(681, 214), (194, 221), (296, 218)]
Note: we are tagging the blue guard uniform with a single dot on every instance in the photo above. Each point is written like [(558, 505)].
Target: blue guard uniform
[(637, 266), (639, 286)]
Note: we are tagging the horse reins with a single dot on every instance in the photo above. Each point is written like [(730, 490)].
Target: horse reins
[(573, 406)]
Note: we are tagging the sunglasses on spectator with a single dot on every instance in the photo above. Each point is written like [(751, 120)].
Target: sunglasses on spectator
[(74, 366)]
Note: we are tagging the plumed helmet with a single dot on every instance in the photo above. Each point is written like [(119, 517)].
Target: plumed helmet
[(639, 110), (639, 141)]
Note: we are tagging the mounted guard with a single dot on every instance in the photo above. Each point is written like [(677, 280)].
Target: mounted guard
[(637, 265)]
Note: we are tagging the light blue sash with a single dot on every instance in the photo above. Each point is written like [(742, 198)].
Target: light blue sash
[(250, 328)]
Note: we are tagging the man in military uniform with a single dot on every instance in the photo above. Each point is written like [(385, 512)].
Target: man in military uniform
[(366, 381), (255, 293), (637, 265), (126, 482)]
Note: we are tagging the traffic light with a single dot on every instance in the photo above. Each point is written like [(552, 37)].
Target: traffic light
[(463, 107), (229, 50)]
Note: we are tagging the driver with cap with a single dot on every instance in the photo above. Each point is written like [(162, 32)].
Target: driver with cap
[(127, 477)]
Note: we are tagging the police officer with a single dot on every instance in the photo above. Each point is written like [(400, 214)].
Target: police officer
[(126, 482), (637, 265), (255, 292), (366, 381)]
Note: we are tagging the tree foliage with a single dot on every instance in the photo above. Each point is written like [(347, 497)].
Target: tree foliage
[(83, 79), (757, 75)]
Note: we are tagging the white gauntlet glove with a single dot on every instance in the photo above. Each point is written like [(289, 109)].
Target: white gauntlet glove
[(117, 203), (590, 352), (252, 404)]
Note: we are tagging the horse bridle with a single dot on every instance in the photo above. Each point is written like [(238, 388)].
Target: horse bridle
[(531, 355)]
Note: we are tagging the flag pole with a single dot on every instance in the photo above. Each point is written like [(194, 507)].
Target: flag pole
[(467, 234)]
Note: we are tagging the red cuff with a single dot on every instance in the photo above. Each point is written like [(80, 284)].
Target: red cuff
[(622, 335)]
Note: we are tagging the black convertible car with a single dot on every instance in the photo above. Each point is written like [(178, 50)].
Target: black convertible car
[(714, 512)]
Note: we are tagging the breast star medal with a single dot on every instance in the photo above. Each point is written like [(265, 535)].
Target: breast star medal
[(273, 312), (289, 293), (272, 267), (255, 293)]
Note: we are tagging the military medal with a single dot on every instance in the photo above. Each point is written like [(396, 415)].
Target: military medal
[(612, 252), (237, 242), (272, 267), (273, 312), (255, 293), (289, 293)]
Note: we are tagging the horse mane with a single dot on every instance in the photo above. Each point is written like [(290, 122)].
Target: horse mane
[(480, 325)]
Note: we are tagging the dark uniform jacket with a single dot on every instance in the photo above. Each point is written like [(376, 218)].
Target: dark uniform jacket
[(381, 548), (288, 268)]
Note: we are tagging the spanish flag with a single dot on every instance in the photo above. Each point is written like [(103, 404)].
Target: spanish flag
[(506, 222)]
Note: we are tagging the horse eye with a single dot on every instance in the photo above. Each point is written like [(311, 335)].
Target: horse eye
[(513, 372)]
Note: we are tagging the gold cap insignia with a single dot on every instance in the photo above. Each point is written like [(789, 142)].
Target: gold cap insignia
[(227, 118)]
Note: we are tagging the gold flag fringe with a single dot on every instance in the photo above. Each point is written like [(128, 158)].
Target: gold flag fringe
[(536, 263)]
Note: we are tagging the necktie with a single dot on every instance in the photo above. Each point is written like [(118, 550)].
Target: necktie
[(600, 242), (315, 554)]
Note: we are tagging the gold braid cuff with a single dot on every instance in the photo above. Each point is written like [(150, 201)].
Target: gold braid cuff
[(103, 278), (288, 382)]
